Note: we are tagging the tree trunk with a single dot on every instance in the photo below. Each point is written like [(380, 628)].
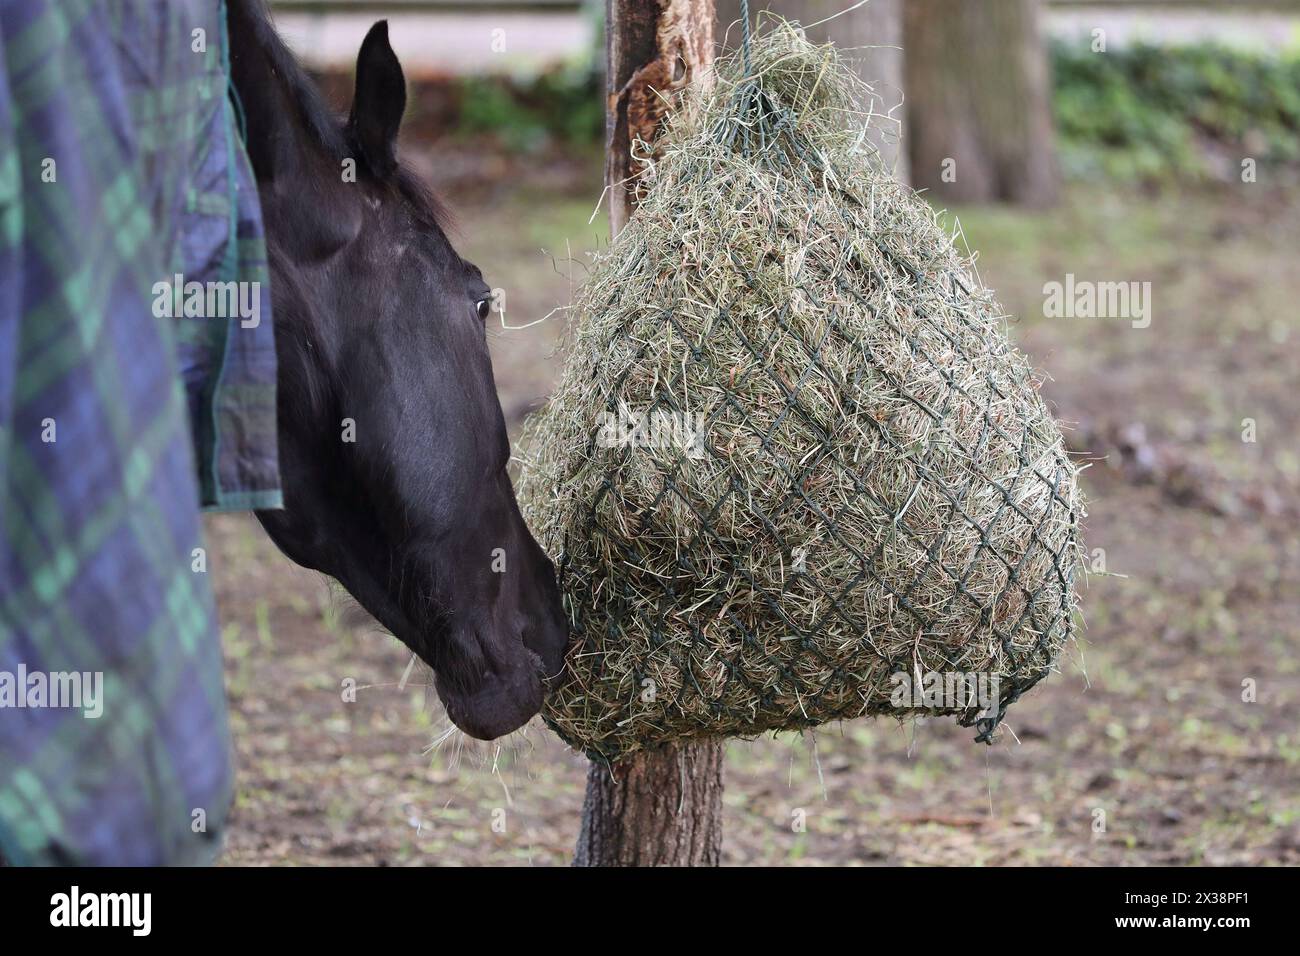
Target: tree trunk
[(870, 37), (979, 102), (654, 49), (662, 807), (659, 808)]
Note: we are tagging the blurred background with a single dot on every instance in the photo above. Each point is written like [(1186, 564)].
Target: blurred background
[(1112, 142)]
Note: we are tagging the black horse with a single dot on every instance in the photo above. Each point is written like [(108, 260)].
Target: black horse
[(393, 448)]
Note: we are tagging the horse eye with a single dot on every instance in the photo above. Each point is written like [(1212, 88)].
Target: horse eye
[(483, 306)]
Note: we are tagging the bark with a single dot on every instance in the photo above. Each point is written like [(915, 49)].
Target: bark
[(870, 38), (662, 807), (979, 102), (654, 49)]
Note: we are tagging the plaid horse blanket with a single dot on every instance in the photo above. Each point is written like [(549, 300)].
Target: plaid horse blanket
[(127, 402)]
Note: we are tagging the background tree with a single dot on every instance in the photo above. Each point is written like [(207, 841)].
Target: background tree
[(978, 98)]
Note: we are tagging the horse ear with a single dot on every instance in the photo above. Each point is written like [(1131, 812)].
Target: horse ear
[(378, 103)]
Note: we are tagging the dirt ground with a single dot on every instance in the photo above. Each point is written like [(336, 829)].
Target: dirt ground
[(1141, 751)]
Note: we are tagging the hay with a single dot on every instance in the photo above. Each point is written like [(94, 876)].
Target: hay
[(861, 408)]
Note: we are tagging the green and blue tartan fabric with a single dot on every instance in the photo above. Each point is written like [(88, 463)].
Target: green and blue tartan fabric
[(120, 168)]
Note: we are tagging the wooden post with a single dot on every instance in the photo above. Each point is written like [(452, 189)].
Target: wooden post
[(657, 808), (653, 50), (662, 807)]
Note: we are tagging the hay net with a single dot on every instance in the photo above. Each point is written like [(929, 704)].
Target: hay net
[(793, 468)]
